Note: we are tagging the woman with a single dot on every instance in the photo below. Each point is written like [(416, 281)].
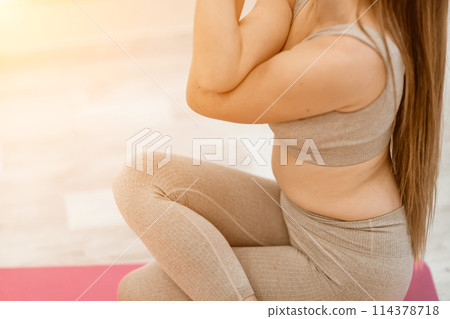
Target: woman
[(362, 80)]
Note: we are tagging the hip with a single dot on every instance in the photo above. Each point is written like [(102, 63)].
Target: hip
[(370, 257)]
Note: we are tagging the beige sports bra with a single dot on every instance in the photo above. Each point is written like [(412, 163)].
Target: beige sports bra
[(347, 138)]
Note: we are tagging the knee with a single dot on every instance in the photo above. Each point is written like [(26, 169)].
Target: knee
[(126, 291), (149, 283), (124, 187), (134, 193), (132, 177), (133, 188)]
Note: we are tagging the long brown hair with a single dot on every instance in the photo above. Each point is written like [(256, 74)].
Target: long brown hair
[(419, 28)]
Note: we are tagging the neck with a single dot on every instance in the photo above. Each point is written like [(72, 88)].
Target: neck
[(336, 11)]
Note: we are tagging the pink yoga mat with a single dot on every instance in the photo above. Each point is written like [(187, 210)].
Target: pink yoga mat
[(62, 283), (69, 283), (422, 285)]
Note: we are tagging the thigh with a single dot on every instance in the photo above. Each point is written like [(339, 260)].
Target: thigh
[(240, 205), (284, 273)]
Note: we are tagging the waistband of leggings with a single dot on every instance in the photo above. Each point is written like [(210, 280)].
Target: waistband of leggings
[(397, 215), (384, 236)]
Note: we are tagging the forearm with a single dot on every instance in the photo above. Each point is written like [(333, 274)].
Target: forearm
[(226, 50), (217, 41)]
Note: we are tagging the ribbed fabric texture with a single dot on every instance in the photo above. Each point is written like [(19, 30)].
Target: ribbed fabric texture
[(352, 137), (225, 238)]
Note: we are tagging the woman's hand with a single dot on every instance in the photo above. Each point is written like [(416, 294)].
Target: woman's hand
[(226, 49)]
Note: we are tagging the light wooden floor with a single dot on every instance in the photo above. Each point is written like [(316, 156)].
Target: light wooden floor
[(69, 99)]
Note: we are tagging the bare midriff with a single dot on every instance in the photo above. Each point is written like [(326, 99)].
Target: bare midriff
[(355, 192)]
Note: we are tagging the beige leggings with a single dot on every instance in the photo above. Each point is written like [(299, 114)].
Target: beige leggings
[(218, 233)]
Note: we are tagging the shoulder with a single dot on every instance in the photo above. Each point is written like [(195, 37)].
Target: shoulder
[(352, 71)]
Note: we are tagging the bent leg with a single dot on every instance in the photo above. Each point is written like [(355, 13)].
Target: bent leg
[(150, 282), (284, 273), (275, 273), (188, 216)]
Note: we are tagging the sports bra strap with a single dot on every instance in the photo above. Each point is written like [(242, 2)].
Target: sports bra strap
[(372, 38), (299, 4)]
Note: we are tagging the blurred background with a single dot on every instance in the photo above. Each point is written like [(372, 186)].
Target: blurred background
[(69, 100)]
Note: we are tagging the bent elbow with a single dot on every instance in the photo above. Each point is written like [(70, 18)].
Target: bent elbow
[(218, 83), (194, 99), (204, 102), (216, 79), (192, 95)]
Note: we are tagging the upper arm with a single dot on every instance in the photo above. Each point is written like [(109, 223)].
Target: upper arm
[(298, 83)]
